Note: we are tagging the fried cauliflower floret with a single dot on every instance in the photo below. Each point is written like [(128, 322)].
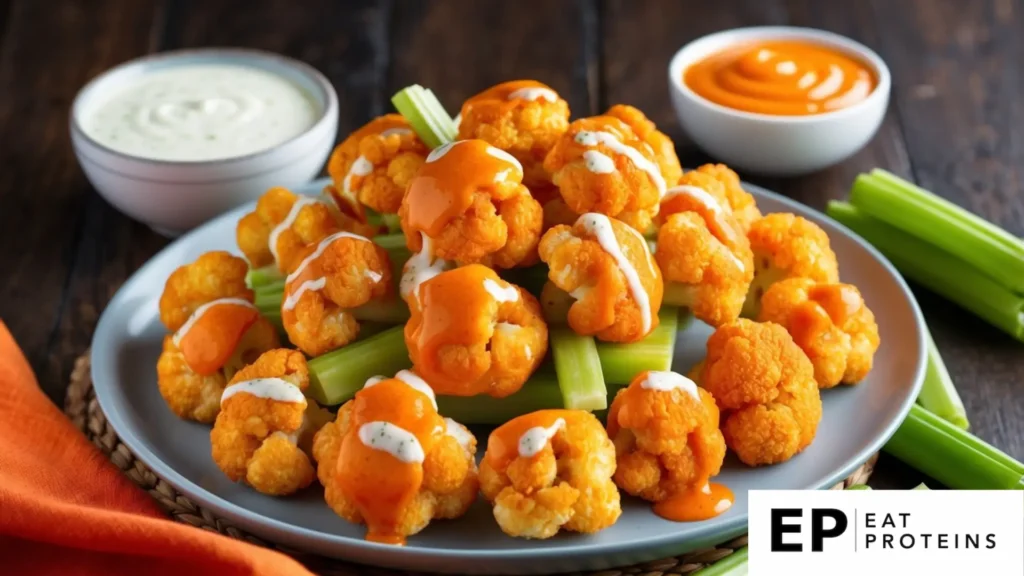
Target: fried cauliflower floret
[(831, 324), (742, 202), (663, 147), (468, 198), (615, 300), (473, 333), (562, 482), (376, 162), (764, 386), (601, 165), (197, 361), (365, 490), (257, 432), (342, 272), (522, 117), (666, 436), (787, 246), (704, 256)]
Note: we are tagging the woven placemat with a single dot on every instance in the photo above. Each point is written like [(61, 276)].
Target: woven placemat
[(81, 407)]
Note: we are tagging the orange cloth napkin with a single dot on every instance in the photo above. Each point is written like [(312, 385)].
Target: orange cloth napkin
[(65, 509)]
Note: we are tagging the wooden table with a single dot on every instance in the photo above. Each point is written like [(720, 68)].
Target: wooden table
[(955, 125)]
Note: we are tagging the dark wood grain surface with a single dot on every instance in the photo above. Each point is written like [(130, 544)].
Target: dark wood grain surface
[(955, 125)]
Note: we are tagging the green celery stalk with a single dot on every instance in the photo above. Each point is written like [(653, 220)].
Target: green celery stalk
[(953, 456), (336, 376), (391, 242), (937, 270), (269, 288), (541, 392), (939, 395), (426, 115), (393, 222), (677, 294), (579, 370), (734, 564), (620, 363), (269, 302), (858, 487), (257, 277), (996, 253), (390, 311)]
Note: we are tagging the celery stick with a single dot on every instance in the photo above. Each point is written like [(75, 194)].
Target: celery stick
[(937, 270), (579, 370), (393, 222), (336, 376), (391, 242), (734, 564), (620, 363), (919, 213), (268, 302), (939, 395), (858, 487), (426, 115), (257, 277), (270, 288), (953, 456), (677, 294), (390, 311), (541, 392)]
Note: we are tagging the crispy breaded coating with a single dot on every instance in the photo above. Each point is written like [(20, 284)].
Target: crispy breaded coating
[(449, 473), (566, 485), (743, 205), (498, 223), (666, 441), (601, 165), (256, 435), (310, 221), (702, 252), (473, 333), (342, 272), (787, 246), (764, 386), (609, 304), (522, 117), (377, 161), (830, 322), (663, 147), (213, 275)]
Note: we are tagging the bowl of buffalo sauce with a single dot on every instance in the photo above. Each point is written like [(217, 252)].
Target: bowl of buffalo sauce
[(779, 100)]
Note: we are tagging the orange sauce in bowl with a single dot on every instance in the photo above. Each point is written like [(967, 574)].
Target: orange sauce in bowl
[(781, 78)]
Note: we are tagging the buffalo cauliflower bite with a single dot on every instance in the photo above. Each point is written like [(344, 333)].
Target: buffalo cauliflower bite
[(666, 436), (550, 470), (473, 333), (702, 252), (600, 165), (522, 117), (764, 385), (663, 147), (215, 331), (831, 324), (743, 206), (283, 224), (264, 419), (469, 201), (607, 268), (376, 162), (787, 246), (391, 462), (341, 272)]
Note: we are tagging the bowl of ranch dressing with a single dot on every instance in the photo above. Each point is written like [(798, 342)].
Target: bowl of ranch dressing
[(177, 138)]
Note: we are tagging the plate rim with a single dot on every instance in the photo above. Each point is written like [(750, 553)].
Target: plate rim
[(412, 557)]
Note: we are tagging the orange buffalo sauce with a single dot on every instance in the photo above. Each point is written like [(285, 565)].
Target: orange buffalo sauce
[(209, 341), (444, 186), (511, 94), (783, 78), (827, 305), (376, 481), (503, 443), (702, 501)]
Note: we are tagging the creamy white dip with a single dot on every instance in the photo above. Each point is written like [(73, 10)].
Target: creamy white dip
[(201, 112)]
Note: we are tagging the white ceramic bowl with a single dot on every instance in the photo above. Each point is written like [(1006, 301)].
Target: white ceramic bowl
[(769, 144), (175, 196)]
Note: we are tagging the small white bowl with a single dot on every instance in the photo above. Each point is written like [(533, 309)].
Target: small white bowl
[(769, 144), (175, 196)]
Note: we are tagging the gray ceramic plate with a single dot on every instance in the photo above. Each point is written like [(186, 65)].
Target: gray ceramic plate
[(856, 422)]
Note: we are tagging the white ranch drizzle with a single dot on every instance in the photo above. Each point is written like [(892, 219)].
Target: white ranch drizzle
[(287, 223), (373, 276), (361, 167), (422, 266), (271, 388), (701, 195), (598, 163), (320, 248), (399, 131), (534, 93), (394, 440), (501, 294), (665, 381), (458, 431), (601, 228), (439, 152), (593, 138), (535, 439), (198, 313), (309, 285), (505, 156), (411, 380), (374, 380)]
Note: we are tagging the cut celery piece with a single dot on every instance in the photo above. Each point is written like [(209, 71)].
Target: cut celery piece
[(393, 222), (336, 376), (734, 564), (620, 363), (939, 395), (391, 242), (426, 115), (390, 311), (677, 294), (541, 392), (257, 277), (579, 370)]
